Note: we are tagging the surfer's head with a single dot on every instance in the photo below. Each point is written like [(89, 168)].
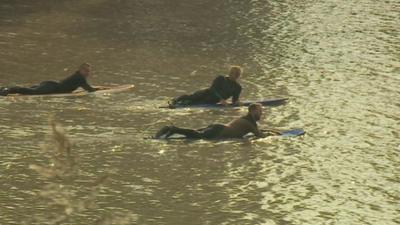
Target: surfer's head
[(255, 111), (85, 69), (235, 72)]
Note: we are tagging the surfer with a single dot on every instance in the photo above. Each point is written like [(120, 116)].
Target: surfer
[(222, 88), (68, 85), (235, 129)]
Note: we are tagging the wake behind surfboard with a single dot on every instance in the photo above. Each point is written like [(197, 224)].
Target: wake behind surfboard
[(104, 91), (265, 102)]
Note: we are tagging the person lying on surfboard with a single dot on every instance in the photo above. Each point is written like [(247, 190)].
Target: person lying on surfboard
[(68, 85), (235, 129), (222, 88)]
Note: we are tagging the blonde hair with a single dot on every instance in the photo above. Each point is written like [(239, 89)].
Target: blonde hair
[(85, 65), (235, 70)]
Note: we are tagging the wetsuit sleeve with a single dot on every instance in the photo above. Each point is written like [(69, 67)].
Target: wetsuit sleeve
[(236, 94), (256, 131), (84, 84), (216, 86)]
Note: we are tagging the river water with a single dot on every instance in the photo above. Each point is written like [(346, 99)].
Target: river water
[(338, 61)]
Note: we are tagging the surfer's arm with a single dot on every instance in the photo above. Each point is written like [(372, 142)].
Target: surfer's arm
[(257, 132), (216, 87), (87, 87), (236, 95)]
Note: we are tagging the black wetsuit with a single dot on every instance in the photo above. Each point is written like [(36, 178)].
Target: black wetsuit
[(67, 85), (213, 131), (221, 88), (249, 118), (210, 132)]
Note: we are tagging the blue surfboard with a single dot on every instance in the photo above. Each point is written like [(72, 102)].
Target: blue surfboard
[(265, 102), (292, 133)]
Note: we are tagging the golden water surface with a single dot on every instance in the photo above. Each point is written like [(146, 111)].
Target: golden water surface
[(337, 60)]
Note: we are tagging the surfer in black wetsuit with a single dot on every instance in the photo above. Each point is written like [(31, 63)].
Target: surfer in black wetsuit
[(235, 129), (68, 85), (221, 89)]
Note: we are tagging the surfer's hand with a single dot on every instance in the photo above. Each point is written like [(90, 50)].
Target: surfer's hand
[(270, 132), (274, 132)]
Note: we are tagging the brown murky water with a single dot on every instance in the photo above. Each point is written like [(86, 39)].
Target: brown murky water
[(337, 60)]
